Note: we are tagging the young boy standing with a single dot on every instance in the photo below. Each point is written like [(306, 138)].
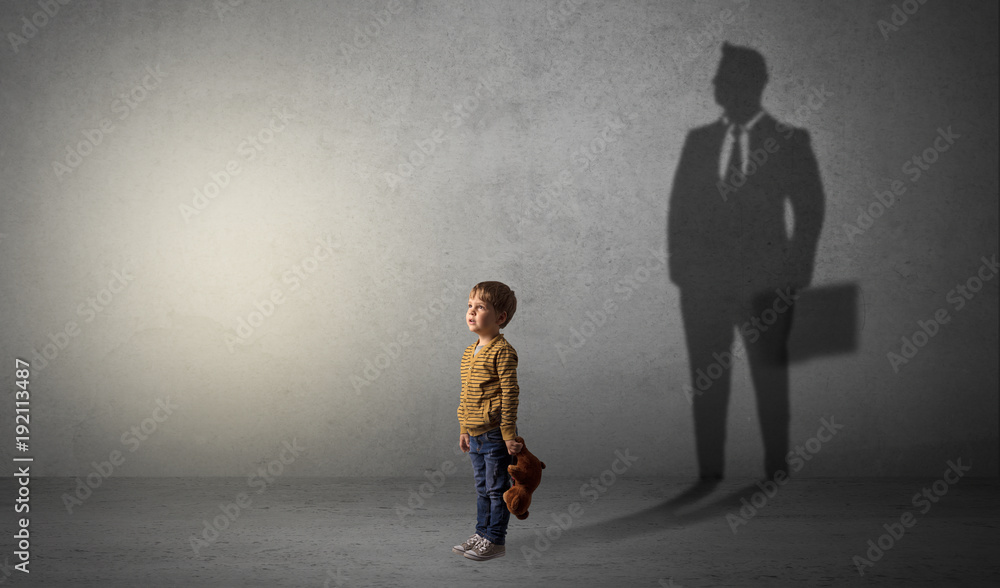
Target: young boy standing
[(487, 415)]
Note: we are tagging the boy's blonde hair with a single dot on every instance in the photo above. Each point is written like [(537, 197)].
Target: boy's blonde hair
[(499, 295)]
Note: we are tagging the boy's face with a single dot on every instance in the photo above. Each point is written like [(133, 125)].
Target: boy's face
[(482, 317)]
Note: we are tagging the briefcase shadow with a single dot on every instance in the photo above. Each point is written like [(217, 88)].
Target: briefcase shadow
[(825, 322)]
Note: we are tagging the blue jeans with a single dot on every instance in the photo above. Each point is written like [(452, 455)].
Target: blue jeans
[(489, 466)]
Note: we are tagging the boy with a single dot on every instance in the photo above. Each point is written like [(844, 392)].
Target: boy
[(487, 415)]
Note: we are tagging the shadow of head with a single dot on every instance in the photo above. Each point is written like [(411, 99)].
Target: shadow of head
[(739, 82)]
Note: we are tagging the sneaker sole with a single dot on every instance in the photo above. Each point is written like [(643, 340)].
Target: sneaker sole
[(471, 555)]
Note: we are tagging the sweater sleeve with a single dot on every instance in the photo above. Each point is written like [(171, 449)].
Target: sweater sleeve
[(462, 430), (506, 364)]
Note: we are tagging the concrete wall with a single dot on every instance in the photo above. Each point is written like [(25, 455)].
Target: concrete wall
[(365, 241)]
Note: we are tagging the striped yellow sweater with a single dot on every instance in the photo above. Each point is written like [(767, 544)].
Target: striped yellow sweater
[(489, 389)]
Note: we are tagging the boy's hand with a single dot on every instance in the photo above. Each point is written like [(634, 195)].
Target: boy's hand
[(513, 446), (463, 442)]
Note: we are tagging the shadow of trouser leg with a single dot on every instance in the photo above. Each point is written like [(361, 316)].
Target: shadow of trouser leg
[(709, 334), (768, 358)]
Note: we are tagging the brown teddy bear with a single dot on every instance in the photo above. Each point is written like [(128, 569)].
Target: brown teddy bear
[(526, 474)]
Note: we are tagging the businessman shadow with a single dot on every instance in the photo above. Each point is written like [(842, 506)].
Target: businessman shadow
[(745, 215)]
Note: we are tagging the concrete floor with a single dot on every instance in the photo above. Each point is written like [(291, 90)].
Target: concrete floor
[(350, 532)]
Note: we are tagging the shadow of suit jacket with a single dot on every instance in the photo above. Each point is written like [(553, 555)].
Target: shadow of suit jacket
[(724, 236)]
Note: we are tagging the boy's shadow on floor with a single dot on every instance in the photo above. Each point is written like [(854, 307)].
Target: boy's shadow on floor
[(672, 513)]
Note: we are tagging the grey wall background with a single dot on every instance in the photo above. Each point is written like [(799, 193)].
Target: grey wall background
[(535, 81)]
